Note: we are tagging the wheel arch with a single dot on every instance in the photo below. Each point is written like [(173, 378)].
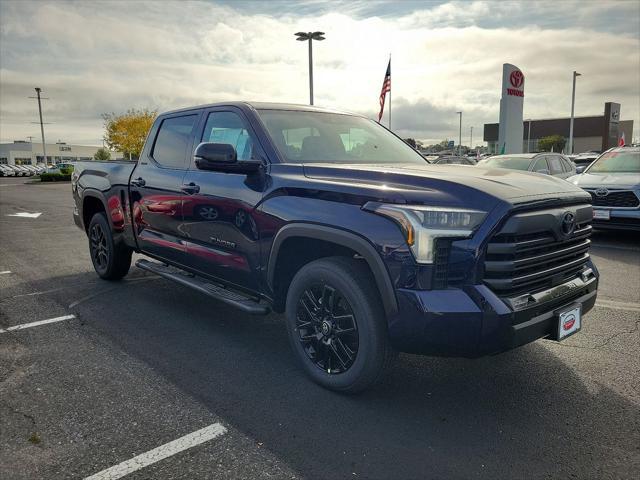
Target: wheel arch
[(342, 238)]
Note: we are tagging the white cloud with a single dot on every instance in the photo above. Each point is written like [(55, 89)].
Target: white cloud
[(92, 58)]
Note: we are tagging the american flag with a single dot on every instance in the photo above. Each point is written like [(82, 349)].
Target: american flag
[(386, 87)]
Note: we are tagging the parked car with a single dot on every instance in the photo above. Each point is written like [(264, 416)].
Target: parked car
[(57, 168), (453, 160), (613, 181), (6, 170), (333, 220), (553, 164), (584, 159), (32, 169), (18, 171)]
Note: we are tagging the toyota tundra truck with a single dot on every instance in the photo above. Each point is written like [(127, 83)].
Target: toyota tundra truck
[(333, 220)]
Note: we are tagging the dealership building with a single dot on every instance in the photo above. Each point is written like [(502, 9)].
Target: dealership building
[(28, 153), (597, 132)]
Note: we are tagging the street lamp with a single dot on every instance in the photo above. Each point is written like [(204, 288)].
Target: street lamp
[(310, 36), (529, 137), (573, 103), (460, 134)]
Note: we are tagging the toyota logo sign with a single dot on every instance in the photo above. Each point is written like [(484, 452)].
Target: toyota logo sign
[(602, 192), (568, 223), (516, 78)]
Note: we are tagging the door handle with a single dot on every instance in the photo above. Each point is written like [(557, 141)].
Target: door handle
[(190, 188), (138, 182)]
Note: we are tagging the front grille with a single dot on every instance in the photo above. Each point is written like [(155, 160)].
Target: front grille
[(620, 198), (528, 262)]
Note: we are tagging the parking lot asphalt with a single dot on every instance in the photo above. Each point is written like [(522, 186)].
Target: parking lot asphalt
[(144, 362)]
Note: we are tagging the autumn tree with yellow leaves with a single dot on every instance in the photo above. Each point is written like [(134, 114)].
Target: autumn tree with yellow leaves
[(127, 132)]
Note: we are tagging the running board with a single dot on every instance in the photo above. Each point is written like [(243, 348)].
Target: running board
[(235, 299)]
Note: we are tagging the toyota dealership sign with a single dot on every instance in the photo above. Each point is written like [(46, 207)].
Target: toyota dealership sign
[(510, 131)]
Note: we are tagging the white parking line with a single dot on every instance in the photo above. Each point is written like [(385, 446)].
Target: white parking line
[(36, 324), (5, 272), (628, 306), (152, 456)]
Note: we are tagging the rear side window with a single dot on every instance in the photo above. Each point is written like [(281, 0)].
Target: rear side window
[(174, 135), (555, 165)]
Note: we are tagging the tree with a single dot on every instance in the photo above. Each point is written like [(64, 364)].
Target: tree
[(555, 142), (102, 154), (128, 131), (411, 142)]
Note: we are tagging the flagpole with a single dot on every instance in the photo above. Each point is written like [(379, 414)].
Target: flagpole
[(389, 93)]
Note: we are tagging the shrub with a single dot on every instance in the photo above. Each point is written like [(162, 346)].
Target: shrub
[(55, 177)]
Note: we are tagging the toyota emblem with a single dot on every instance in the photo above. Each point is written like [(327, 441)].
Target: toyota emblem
[(602, 192), (568, 224), (516, 78)]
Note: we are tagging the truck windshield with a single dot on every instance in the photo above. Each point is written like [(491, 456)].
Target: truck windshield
[(617, 162), (318, 137)]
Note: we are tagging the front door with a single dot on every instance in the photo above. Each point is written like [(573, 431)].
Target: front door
[(221, 220), (156, 188)]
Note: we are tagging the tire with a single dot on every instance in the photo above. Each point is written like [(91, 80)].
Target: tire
[(363, 354), (111, 262)]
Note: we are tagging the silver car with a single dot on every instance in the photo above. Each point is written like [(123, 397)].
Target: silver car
[(548, 163), (6, 171), (613, 180)]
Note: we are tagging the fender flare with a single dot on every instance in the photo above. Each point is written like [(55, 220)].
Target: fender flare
[(346, 239)]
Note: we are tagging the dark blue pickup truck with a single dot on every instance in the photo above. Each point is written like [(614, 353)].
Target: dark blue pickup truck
[(335, 221)]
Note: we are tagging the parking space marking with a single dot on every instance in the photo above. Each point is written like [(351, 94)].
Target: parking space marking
[(160, 453), (36, 324), (628, 306), (5, 272)]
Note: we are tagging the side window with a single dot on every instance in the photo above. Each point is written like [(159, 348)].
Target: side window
[(568, 165), (170, 148), (540, 165), (555, 165), (228, 127)]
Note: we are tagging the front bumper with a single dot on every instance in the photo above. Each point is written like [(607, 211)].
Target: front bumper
[(620, 219), (473, 321)]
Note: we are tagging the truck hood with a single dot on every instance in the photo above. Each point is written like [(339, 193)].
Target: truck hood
[(411, 180), (596, 180)]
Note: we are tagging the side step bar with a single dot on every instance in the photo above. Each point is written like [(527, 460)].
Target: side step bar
[(235, 299)]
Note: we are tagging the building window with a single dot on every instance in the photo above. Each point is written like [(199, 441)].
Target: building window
[(22, 161), (3, 160)]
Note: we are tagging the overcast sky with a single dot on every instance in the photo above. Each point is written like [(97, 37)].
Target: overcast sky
[(94, 57)]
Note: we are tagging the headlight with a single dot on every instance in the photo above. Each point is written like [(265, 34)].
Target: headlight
[(421, 225)]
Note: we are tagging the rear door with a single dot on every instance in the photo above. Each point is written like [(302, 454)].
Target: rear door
[(156, 187), (222, 223)]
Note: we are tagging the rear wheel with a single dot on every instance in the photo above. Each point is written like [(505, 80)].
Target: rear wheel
[(336, 324), (111, 262)]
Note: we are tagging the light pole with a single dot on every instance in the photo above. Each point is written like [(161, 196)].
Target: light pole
[(310, 37), (460, 134), (471, 140), (529, 137), (44, 148), (573, 103)]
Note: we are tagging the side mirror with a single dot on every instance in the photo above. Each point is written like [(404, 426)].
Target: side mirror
[(207, 154), (580, 169), (222, 157)]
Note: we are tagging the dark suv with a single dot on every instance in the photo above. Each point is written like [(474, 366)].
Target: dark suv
[(335, 221)]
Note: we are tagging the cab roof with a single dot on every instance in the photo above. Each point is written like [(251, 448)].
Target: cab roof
[(264, 106)]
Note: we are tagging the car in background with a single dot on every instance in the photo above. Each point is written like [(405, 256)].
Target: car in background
[(548, 163), (59, 166), (27, 172), (19, 172), (613, 181), (585, 159), (6, 171), (32, 169), (453, 160)]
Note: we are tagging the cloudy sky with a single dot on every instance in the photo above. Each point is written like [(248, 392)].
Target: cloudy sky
[(94, 57)]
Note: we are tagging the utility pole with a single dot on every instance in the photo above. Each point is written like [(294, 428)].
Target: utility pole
[(460, 134), (529, 137), (573, 103), (44, 148), (471, 141)]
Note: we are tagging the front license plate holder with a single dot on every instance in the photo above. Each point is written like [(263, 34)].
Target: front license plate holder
[(601, 214), (569, 321)]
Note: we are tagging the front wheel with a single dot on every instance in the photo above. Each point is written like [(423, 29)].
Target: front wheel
[(336, 324), (110, 261)]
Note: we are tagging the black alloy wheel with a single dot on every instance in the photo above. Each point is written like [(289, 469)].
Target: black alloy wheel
[(327, 328), (99, 249)]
